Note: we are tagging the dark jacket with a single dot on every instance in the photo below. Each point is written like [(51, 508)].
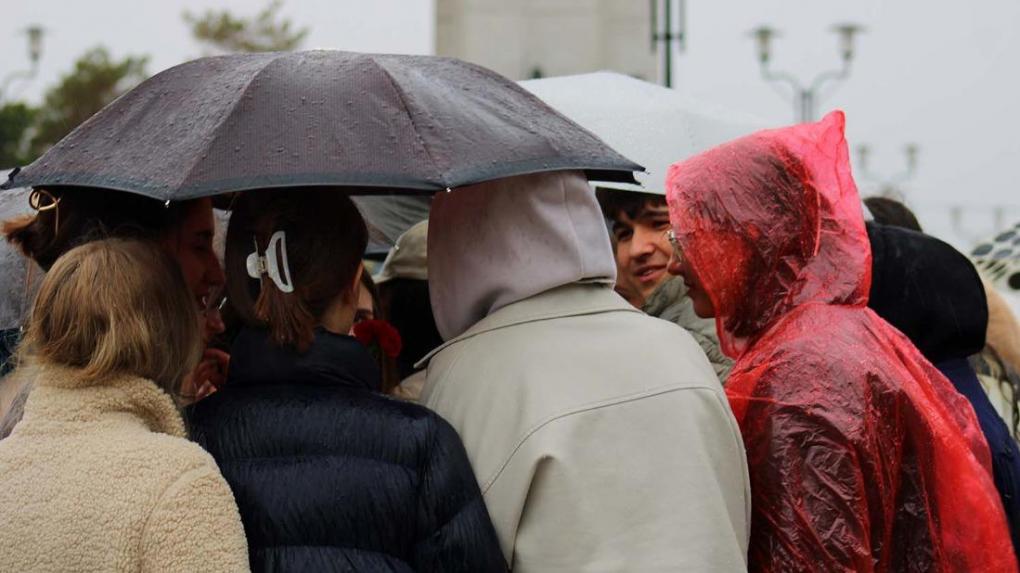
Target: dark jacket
[(933, 294), (329, 475)]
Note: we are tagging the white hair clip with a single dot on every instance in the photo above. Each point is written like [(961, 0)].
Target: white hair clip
[(267, 264)]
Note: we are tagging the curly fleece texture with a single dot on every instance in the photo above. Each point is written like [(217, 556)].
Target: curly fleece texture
[(100, 477)]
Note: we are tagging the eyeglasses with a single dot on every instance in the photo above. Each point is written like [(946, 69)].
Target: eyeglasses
[(673, 242)]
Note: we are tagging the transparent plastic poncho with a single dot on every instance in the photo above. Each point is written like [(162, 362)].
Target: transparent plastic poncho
[(862, 456)]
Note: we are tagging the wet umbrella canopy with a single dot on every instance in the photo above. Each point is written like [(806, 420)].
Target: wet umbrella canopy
[(249, 121), (653, 125)]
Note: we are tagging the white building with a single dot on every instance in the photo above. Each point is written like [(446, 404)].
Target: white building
[(523, 39)]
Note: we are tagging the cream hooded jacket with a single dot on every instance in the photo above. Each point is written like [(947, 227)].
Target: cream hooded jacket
[(600, 437), (100, 478)]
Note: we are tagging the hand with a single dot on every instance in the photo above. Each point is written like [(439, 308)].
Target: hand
[(208, 376)]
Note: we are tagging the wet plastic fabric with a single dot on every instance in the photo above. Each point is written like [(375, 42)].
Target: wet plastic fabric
[(862, 456)]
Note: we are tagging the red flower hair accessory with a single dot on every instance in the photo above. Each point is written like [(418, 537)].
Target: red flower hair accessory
[(379, 333)]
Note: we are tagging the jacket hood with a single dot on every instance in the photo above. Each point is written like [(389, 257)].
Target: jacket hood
[(929, 291), (770, 222), (502, 241)]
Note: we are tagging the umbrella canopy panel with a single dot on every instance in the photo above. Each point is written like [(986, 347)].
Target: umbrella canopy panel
[(248, 121), (653, 125), (388, 217)]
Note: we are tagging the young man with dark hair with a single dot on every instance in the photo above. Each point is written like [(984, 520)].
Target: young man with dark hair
[(638, 226)]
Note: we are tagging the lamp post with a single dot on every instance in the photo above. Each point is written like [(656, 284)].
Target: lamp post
[(889, 186), (35, 44), (806, 96), (667, 35)]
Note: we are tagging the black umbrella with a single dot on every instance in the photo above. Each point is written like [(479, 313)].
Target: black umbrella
[(287, 119)]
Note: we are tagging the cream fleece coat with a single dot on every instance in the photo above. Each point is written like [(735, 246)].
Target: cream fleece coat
[(101, 478)]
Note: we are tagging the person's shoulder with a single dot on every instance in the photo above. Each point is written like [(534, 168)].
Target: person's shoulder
[(155, 458), (176, 450), (305, 408)]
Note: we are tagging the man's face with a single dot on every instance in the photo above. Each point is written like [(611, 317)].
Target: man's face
[(642, 248)]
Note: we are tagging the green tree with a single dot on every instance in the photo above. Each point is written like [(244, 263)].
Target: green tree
[(15, 126), (265, 32), (96, 80)]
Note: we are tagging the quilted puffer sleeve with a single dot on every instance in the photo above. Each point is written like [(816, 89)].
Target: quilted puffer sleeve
[(455, 531)]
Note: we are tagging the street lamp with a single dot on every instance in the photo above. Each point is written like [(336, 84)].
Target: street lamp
[(35, 36), (847, 34), (35, 43), (667, 35), (806, 98), (889, 186)]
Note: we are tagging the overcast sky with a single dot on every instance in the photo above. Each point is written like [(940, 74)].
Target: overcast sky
[(941, 74), (156, 28)]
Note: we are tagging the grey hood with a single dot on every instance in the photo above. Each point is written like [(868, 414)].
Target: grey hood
[(502, 241)]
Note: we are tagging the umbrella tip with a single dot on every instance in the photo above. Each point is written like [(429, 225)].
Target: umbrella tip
[(10, 179), (448, 190), (167, 204)]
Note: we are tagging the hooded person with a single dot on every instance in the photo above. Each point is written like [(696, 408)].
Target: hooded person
[(999, 380), (933, 294), (862, 455), (600, 436)]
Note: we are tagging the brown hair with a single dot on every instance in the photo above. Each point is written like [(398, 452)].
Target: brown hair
[(116, 306), (387, 366), (326, 238), (888, 211), (616, 202), (72, 216)]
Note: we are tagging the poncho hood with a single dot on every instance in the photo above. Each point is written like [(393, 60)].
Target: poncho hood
[(502, 241), (770, 222)]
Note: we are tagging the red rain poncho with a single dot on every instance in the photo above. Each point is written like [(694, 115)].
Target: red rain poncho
[(862, 456)]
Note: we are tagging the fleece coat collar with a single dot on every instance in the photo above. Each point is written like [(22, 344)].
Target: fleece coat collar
[(123, 397)]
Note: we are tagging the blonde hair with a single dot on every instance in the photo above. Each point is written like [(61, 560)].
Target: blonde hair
[(114, 307)]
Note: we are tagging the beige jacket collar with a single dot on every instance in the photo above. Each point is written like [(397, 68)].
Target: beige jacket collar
[(574, 299), (62, 395)]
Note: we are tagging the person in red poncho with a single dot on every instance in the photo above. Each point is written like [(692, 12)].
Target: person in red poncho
[(862, 456)]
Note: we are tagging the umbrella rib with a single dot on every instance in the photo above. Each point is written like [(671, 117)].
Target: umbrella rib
[(403, 103), (224, 120)]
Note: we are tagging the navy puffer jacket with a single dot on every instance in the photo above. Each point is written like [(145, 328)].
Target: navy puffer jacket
[(329, 475)]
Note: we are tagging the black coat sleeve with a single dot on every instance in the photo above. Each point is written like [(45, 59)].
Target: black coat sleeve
[(455, 531)]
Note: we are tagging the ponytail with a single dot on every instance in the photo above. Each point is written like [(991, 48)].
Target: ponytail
[(325, 240)]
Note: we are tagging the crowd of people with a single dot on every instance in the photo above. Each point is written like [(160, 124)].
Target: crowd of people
[(734, 372)]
